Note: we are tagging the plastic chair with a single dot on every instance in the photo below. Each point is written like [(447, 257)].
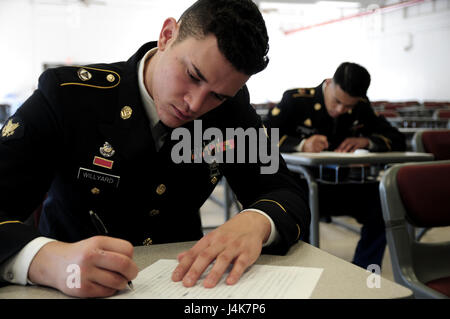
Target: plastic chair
[(417, 194), (442, 114), (388, 113), (433, 141)]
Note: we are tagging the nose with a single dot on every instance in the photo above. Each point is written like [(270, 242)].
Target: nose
[(195, 99)]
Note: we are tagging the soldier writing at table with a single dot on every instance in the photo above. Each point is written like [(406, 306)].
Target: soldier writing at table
[(337, 116), (94, 139)]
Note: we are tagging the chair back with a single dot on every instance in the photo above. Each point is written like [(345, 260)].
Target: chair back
[(418, 194), (436, 142)]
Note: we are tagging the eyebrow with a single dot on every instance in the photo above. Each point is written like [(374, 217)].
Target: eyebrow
[(201, 76)]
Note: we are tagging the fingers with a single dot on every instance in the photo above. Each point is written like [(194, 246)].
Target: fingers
[(107, 279), (114, 244), (117, 263), (345, 146), (352, 144), (238, 242), (241, 264), (222, 263), (105, 265), (195, 262), (316, 143)]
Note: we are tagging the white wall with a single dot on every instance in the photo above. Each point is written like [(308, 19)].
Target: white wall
[(34, 32), (407, 51)]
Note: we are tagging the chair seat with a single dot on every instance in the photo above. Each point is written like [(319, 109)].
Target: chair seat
[(441, 284)]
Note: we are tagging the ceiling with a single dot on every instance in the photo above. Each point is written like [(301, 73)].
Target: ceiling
[(364, 3)]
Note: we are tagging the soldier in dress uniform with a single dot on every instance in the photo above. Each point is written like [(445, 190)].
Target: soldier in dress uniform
[(337, 116), (93, 140)]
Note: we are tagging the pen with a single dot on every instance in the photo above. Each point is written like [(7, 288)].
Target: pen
[(101, 229)]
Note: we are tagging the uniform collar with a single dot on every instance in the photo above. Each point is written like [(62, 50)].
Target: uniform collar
[(147, 101)]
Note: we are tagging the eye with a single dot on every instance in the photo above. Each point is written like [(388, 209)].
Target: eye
[(193, 78)]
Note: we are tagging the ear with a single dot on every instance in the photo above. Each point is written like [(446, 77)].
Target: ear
[(168, 33)]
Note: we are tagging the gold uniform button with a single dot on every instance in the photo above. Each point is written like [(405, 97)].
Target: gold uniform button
[(160, 189), (147, 242), (307, 122), (154, 212), (317, 106), (214, 180), (126, 112), (110, 78), (95, 191), (275, 111)]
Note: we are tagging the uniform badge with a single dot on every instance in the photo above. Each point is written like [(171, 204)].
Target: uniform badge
[(147, 242), (103, 162), (275, 111), (9, 128), (308, 122), (125, 113), (84, 74), (214, 172), (161, 189), (89, 176), (107, 150), (304, 92), (317, 106)]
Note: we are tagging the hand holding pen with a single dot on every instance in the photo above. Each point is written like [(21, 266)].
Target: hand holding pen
[(101, 230)]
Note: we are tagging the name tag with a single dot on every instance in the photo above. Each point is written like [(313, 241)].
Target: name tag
[(91, 175)]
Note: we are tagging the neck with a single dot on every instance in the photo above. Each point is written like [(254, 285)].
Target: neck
[(148, 73)]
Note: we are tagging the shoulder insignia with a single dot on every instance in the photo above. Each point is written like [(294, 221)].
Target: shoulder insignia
[(13, 128), (317, 106), (304, 92), (308, 122), (92, 77), (275, 111), (9, 128)]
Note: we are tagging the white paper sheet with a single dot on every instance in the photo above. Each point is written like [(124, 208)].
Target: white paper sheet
[(258, 282)]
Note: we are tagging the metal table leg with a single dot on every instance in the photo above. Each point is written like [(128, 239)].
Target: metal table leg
[(313, 202)]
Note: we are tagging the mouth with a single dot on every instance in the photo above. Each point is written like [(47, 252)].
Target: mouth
[(181, 115)]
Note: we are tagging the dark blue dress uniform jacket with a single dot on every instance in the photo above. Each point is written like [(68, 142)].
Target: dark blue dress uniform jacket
[(302, 113), (49, 146)]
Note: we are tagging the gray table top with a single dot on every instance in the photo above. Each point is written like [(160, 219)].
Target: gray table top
[(324, 158), (339, 280)]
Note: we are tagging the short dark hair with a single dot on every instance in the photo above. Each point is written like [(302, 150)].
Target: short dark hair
[(238, 26), (352, 78)]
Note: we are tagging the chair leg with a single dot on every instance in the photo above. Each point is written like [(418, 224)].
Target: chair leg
[(421, 233)]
